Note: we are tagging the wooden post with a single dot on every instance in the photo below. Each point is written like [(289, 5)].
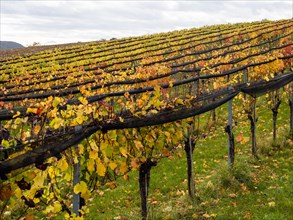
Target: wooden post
[(275, 108), (143, 191), (231, 151), (189, 147), (144, 182), (253, 129), (76, 180)]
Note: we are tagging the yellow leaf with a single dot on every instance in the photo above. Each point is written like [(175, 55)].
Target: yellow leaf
[(103, 146), (16, 115), (66, 216), (123, 167), (112, 135), (112, 165), (32, 110), (56, 101), (82, 189), (39, 180), (56, 123), (101, 169), (5, 143), (245, 140), (138, 145), (93, 154), (36, 200), (272, 204), (213, 215), (79, 120), (91, 165), (25, 135), (67, 177), (179, 134), (63, 165), (36, 129), (150, 139), (86, 195), (179, 102), (18, 193), (18, 121), (140, 103), (83, 100), (57, 207), (123, 151), (78, 187), (80, 149)]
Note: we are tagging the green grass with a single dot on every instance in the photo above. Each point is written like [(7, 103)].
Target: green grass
[(251, 190)]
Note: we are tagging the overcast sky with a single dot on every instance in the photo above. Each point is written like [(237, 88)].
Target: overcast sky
[(52, 22)]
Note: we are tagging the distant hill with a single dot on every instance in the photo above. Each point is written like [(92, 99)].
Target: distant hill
[(9, 45)]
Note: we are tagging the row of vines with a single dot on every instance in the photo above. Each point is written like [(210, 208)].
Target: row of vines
[(94, 112)]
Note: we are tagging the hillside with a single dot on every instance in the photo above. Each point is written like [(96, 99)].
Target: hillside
[(9, 45)]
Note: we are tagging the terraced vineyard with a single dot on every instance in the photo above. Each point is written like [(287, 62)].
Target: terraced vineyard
[(92, 112)]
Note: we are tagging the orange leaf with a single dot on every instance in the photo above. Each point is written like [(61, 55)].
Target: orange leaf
[(134, 164), (247, 215), (29, 217), (126, 177), (111, 185), (166, 152), (239, 137)]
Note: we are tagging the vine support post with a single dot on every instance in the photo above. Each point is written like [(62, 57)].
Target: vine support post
[(76, 180), (253, 121), (189, 148), (275, 109), (144, 182), (231, 143)]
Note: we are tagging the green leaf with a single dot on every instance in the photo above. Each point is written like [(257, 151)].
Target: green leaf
[(112, 135), (56, 102)]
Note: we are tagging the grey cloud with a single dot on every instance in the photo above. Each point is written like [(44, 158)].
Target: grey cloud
[(70, 21)]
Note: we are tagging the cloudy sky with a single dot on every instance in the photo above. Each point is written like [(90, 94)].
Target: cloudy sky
[(52, 22)]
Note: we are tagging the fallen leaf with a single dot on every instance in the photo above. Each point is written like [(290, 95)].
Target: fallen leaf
[(272, 204), (206, 215), (247, 215), (232, 195)]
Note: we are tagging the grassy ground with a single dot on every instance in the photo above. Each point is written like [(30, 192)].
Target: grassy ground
[(252, 190)]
